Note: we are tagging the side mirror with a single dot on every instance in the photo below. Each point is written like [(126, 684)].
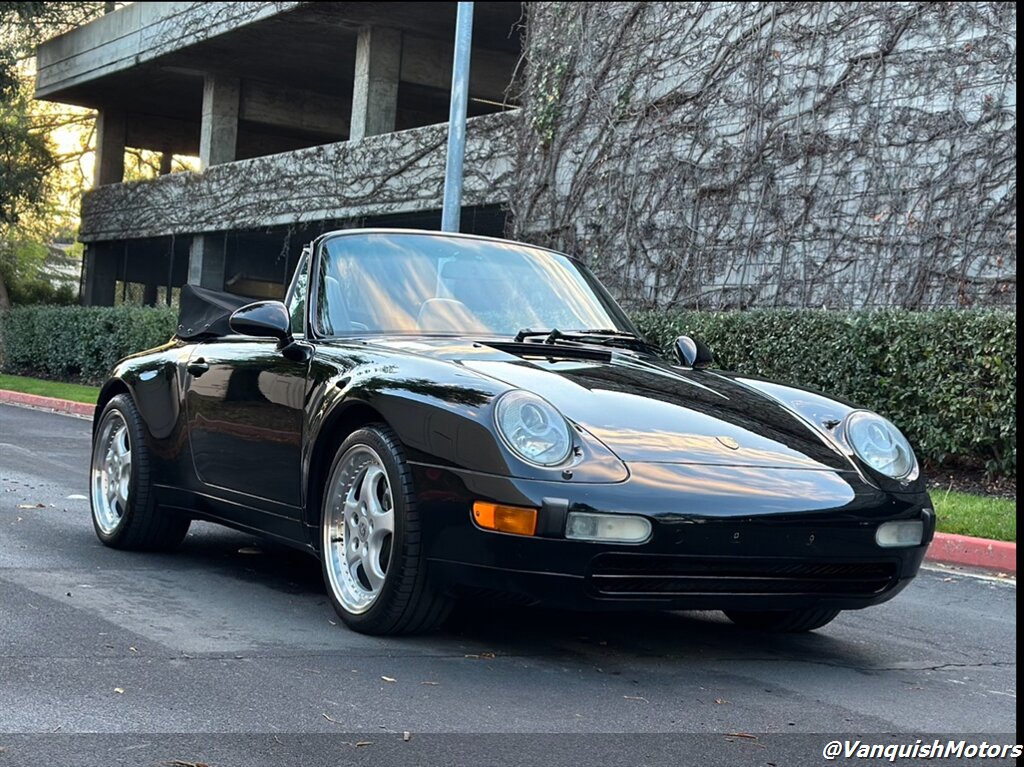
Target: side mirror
[(693, 353), (265, 319)]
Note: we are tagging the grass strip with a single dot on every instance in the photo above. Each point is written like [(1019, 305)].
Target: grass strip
[(73, 392), (980, 516)]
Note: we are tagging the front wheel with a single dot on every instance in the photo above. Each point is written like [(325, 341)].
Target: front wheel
[(784, 621), (125, 514), (372, 560)]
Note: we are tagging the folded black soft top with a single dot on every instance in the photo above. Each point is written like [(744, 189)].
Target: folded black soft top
[(204, 313)]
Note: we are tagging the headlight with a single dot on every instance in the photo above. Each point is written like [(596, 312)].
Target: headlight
[(532, 428), (880, 445)]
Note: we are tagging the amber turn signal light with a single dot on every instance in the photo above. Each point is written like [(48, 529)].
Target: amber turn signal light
[(505, 519)]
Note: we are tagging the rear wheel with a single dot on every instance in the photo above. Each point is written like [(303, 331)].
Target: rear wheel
[(372, 559), (787, 621), (124, 510)]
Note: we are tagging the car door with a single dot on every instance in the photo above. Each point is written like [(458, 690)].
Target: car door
[(245, 414), (245, 409)]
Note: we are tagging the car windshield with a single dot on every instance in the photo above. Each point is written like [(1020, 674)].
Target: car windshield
[(387, 282)]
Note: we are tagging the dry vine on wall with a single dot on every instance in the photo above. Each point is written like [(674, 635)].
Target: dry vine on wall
[(724, 155)]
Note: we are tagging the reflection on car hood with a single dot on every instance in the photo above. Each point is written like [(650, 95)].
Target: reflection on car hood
[(648, 411)]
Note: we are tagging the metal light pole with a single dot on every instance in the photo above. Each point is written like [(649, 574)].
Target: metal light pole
[(457, 119)]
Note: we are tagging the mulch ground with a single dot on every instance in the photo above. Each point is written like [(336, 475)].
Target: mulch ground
[(971, 481)]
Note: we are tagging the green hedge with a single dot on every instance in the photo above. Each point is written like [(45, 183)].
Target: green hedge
[(948, 379), (80, 344)]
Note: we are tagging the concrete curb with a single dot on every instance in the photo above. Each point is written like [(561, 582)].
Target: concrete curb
[(999, 556), (947, 549), (46, 403)]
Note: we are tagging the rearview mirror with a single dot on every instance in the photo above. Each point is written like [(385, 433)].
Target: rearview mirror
[(693, 353), (265, 319)]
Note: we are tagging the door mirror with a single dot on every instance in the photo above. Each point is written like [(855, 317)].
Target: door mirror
[(265, 319), (693, 353)]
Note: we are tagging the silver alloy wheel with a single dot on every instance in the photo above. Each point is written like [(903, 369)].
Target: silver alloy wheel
[(111, 472), (358, 529)]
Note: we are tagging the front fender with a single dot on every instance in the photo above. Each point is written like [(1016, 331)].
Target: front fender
[(153, 380), (443, 415), (824, 413)]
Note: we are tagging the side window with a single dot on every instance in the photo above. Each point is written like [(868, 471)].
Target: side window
[(297, 295)]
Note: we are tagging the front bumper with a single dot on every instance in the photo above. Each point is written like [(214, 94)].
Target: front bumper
[(722, 538)]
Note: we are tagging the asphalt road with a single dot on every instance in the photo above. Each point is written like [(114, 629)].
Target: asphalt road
[(227, 652)]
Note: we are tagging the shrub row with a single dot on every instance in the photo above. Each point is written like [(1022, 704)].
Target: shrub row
[(948, 379), (80, 344)]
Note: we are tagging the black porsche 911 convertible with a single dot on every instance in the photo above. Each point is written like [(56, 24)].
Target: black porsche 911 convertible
[(438, 416)]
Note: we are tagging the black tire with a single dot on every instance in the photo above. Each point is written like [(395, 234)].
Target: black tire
[(140, 525), (783, 621), (407, 602)]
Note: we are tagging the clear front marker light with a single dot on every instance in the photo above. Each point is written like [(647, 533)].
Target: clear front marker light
[(610, 528), (899, 534)]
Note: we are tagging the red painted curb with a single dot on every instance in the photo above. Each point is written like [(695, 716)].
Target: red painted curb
[(49, 403), (948, 549)]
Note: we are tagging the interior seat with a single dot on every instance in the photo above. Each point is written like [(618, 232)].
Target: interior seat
[(446, 315), (337, 320)]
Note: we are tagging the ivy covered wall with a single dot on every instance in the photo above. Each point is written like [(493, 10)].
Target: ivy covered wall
[(792, 154)]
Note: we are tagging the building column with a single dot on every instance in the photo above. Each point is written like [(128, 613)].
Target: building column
[(108, 167), (218, 134), (101, 267), (206, 261), (375, 93)]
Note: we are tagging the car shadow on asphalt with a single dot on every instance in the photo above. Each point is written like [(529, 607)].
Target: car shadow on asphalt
[(485, 628), (663, 636)]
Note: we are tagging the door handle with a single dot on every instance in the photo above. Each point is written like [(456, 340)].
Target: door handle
[(198, 367)]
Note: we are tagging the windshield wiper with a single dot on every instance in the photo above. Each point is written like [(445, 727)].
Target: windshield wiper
[(552, 335), (600, 336)]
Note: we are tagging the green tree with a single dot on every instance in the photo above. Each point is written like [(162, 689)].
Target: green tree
[(27, 158)]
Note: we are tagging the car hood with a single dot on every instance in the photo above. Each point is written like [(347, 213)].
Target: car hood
[(648, 411)]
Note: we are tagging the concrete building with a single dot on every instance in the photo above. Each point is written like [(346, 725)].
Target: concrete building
[(305, 116), (711, 155)]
